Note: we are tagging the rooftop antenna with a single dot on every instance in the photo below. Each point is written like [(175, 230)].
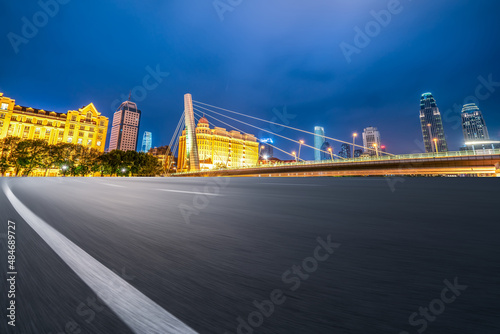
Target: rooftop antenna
[(129, 95)]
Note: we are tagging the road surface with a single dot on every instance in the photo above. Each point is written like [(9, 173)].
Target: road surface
[(251, 255)]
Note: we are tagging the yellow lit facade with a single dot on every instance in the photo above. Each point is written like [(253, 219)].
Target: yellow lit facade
[(218, 147), (84, 126)]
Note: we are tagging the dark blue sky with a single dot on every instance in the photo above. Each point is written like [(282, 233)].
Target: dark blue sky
[(263, 55)]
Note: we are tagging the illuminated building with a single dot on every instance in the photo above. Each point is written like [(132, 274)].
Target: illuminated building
[(84, 126), (219, 148), (473, 125), (345, 151), (432, 125), (319, 139), (147, 140), (371, 137), (125, 130), (266, 150), (358, 152), (325, 148)]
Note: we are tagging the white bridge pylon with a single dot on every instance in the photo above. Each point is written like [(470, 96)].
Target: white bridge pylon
[(192, 155)]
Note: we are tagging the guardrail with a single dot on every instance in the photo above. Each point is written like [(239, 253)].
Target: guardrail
[(360, 159)]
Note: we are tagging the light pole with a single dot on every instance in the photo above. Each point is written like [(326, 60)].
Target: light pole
[(64, 168), (354, 135), (294, 156), (300, 145), (430, 135), (436, 143), (376, 148), (331, 153)]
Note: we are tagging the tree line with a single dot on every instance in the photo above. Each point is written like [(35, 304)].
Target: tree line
[(24, 157)]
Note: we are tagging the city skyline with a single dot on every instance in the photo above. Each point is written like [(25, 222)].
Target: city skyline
[(259, 70)]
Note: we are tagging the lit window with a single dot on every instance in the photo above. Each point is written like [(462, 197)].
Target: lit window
[(80, 141), (4, 106), (70, 140), (98, 143)]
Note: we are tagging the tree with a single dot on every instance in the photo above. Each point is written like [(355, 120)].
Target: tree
[(8, 146), (30, 154)]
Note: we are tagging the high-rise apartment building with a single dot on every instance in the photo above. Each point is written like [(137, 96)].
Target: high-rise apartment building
[(371, 137), (85, 126), (147, 141), (125, 130), (432, 125), (319, 139)]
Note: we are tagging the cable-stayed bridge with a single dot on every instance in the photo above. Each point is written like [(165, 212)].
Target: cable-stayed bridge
[(376, 163)]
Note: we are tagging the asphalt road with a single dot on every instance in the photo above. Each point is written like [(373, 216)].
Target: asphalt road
[(252, 255)]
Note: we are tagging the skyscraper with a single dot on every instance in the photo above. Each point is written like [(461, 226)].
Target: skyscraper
[(432, 125), (266, 150), (326, 149), (473, 124), (125, 131), (345, 151), (319, 139), (147, 140), (371, 136)]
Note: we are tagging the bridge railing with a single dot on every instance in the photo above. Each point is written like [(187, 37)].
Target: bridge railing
[(362, 159)]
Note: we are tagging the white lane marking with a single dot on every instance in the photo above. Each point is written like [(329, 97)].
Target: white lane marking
[(293, 184), (112, 185), (139, 312), (189, 192)]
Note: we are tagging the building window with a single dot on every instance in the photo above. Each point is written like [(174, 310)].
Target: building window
[(70, 140), (4, 106), (101, 123), (72, 126), (80, 134), (73, 118), (89, 142), (39, 122), (70, 133), (80, 141)]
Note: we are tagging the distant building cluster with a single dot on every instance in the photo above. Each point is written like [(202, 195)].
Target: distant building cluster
[(474, 128)]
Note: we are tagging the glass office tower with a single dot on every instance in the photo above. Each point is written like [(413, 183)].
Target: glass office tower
[(319, 139), (432, 125)]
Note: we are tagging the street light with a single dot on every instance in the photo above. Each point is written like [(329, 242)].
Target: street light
[(430, 134), (436, 143), (354, 135), (331, 153), (64, 168), (376, 148), (294, 156), (300, 145)]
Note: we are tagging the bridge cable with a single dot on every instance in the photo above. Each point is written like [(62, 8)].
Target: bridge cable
[(289, 127)]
